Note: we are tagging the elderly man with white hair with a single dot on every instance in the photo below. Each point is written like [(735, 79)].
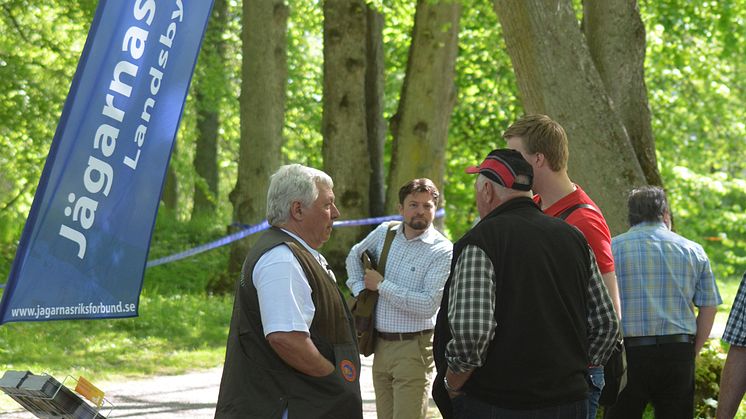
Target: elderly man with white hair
[(524, 311), (292, 348)]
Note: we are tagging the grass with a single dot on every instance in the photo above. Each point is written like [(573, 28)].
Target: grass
[(728, 288), (173, 334)]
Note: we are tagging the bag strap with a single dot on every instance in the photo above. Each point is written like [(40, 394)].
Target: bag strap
[(566, 213), (387, 246)]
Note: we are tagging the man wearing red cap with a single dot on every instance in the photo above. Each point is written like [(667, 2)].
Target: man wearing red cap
[(524, 310), (543, 143)]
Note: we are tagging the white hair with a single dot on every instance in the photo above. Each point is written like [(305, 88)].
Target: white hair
[(290, 183), (501, 191), (482, 179)]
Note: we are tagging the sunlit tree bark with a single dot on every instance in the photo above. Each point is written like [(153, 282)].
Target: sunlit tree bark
[(344, 125), (616, 39), (374, 100), (262, 103), (420, 126), (556, 76)]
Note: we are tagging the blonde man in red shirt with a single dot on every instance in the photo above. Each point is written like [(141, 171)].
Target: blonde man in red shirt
[(543, 143)]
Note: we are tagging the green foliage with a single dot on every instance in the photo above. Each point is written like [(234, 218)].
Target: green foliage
[(397, 35), (709, 365), (39, 47), (728, 288), (696, 79), (173, 236), (7, 253), (303, 109), (220, 81), (694, 72), (487, 103), (697, 197)]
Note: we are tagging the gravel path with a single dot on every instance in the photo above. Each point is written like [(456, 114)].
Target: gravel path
[(190, 395)]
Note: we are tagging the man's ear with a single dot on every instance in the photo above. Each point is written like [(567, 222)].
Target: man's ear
[(490, 191), (667, 219), (487, 191), (296, 210), (540, 160)]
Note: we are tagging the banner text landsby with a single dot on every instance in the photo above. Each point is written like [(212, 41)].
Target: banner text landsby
[(87, 236)]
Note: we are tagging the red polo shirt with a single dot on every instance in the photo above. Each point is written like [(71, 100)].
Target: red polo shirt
[(591, 223)]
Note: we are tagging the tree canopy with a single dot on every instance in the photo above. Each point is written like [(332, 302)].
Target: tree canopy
[(694, 73)]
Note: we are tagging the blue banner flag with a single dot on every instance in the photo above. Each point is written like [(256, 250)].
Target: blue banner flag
[(83, 250)]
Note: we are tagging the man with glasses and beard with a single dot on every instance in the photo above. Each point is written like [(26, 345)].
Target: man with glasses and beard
[(416, 268)]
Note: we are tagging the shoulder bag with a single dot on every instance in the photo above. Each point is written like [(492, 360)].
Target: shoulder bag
[(364, 308)]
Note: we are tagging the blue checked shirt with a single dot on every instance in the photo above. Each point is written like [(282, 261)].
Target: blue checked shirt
[(416, 272), (735, 329), (661, 277)]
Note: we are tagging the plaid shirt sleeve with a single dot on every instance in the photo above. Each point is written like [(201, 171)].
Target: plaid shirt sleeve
[(603, 324), (471, 310), (735, 329)]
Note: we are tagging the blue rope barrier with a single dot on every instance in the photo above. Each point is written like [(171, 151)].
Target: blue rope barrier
[(252, 229), (212, 245)]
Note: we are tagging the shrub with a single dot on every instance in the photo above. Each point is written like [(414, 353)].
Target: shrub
[(707, 371)]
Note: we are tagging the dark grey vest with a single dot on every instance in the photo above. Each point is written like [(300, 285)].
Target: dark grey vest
[(256, 383)]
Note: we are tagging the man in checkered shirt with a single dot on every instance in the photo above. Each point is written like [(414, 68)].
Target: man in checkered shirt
[(416, 269), (525, 310), (733, 378), (662, 276)]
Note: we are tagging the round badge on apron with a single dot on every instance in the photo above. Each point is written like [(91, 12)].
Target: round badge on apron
[(348, 370)]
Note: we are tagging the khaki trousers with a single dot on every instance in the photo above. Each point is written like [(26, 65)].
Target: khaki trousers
[(401, 377)]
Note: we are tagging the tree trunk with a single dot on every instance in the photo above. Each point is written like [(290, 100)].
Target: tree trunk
[(557, 77), (262, 105), (420, 126), (374, 103), (170, 195), (345, 146), (616, 39), (209, 79)]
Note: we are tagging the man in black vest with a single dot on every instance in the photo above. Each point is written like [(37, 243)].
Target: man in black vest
[(292, 347), (523, 310)]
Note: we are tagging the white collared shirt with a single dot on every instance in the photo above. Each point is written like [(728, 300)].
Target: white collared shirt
[(415, 275), (284, 294)]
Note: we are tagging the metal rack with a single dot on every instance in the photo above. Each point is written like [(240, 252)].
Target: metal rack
[(46, 397)]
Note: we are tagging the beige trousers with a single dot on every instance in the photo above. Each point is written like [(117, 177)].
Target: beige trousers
[(402, 372)]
